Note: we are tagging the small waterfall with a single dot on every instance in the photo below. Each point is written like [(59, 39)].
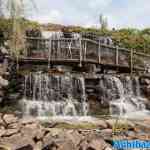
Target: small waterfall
[(54, 95), (130, 102)]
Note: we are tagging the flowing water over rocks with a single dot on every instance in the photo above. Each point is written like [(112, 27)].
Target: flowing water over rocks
[(65, 95), (129, 101), (54, 95)]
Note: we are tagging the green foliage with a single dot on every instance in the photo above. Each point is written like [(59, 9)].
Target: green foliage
[(6, 26), (130, 38)]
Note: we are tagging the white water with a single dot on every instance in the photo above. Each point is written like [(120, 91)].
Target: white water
[(64, 96), (130, 104), (46, 95)]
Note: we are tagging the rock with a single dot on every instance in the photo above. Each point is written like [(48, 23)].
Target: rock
[(30, 132), (1, 99), (101, 124), (38, 146), (28, 120), (145, 81), (56, 132), (4, 50), (47, 140), (10, 132), (131, 135), (1, 93), (97, 144), (14, 96), (66, 145), (93, 144), (3, 82), (18, 142), (10, 118), (74, 136), (14, 126), (106, 133), (2, 132)]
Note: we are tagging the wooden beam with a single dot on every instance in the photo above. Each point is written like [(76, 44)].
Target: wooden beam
[(131, 61), (99, 52), (117, 55)]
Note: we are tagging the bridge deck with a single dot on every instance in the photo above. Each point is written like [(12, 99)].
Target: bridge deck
[(83, 51), (42, 61)]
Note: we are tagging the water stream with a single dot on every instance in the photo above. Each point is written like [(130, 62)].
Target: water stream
[(65, 95), (130, 102), (54, 95)]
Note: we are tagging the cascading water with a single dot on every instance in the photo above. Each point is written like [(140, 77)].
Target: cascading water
[(129, 103), (54, 95), (64, 95)]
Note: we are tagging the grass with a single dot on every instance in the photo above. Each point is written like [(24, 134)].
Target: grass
[(64, 125)]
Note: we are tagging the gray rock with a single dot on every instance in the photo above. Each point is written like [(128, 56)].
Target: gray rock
[(74, 136), (2, 132), (10, 118), (18, 142), (97, 144), (10, 132), (3, 82), (66, 145)]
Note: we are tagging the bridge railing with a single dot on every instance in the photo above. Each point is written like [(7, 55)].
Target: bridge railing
[(82, 49)]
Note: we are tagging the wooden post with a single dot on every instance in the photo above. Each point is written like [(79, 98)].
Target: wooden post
[(99, 52), (49, 52), (58, 49), (85, 50), (131, 61), (117, 55), (80, 42), (69, 48)]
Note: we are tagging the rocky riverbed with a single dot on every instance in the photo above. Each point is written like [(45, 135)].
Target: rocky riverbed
[(31, 134)]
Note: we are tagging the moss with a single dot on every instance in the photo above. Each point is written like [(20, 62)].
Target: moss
[(73, 126), (10, 109)]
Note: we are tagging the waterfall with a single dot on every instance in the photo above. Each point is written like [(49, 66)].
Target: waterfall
[(54, 95), (130, 102)]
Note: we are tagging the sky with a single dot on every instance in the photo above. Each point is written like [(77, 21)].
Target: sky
[(120, 13)]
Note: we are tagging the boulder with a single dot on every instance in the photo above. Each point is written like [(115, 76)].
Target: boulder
[(10, 132), (97, 144), (28, 120), (3, 82), (2, 132), (101, 124), (10, 118), (93, 144), (18, 142), (66, 145), (47, 140), (74, 136)]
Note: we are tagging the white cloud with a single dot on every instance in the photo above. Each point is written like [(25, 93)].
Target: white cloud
[(120, 13), (134, 14), (98, 3), (54, 16)]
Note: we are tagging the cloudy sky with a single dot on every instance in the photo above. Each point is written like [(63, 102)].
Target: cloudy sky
[(120, 13)]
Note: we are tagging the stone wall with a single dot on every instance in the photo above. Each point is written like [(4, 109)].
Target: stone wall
[(3, 73)]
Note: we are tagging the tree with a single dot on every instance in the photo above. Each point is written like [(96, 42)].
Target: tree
[(16, 9)]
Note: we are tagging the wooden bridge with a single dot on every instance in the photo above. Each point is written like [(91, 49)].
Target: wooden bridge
[(70, 51)]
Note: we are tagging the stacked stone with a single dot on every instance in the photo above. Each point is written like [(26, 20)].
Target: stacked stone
[(3, 71), (31, 134)]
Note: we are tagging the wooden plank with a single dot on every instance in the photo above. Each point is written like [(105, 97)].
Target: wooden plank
[(99, 52), (80, 42), (49, 52), (117, 56), (131, 61)]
